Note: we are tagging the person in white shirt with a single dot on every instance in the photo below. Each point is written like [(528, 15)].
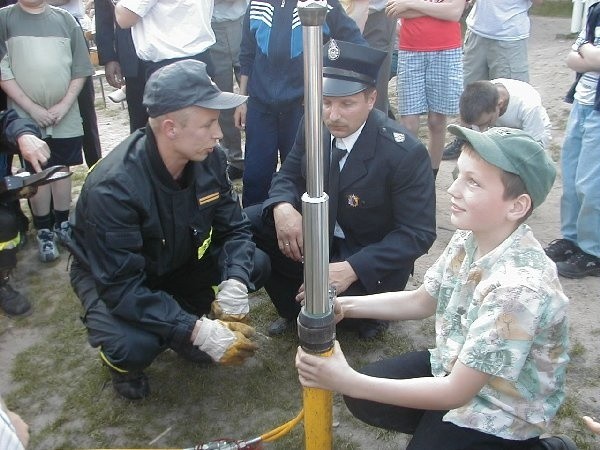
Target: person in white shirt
[(166, 31), (495, 43), (502, 103)]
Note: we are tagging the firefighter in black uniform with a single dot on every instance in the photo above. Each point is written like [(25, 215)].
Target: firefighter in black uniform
[(156, 226), (16, 135)]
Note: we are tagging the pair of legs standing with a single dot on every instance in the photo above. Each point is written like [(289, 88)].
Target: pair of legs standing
[(50, 205), (577, 254), (429, 83)]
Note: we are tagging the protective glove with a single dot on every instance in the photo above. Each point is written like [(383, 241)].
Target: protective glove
[(225, 342), (232, 302)]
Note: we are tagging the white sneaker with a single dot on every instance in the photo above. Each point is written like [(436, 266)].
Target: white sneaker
[(47, 245), (118, 96)]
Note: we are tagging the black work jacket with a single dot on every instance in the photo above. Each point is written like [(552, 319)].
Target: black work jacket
[(135, 225)]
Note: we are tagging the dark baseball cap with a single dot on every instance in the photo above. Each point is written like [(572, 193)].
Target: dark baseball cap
[(514, 151), (349, 68), (182, 84)]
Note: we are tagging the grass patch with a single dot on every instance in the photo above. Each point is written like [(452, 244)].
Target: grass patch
[(553, 8), (189, 403)]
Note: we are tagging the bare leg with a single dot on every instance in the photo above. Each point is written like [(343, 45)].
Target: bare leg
[(436, 123), (61, 194), (411, 123)]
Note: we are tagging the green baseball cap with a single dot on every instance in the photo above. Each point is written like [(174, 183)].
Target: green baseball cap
[(516, 152)]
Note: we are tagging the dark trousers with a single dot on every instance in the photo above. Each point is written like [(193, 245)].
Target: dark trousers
[(9, 229), (225, 55), (287, 275), (380, 33), (134, 94), (131, 347), (150, 66), (270, 132), (428, 429), (92, 151)]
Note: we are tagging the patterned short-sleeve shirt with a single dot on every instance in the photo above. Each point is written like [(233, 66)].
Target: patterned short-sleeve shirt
[(504, 314)]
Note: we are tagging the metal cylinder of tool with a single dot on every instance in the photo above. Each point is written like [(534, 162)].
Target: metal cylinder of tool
[(314, 201), (316, 326)]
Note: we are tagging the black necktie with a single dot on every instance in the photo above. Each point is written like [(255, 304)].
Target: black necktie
[(334, 183)]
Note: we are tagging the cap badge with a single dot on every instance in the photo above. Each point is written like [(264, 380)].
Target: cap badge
[(399, 137), (333, 52), (503, 131), (353, 200)]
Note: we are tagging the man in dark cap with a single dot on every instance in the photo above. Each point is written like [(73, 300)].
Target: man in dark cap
[(157, 225), (382, 212)]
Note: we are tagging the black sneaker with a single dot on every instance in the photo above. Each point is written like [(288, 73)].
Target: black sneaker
[(371, 328), (132, 385), (453, 149), (13, 303), (235, 173), (280, 326), (579, 265), (561, 250), (561, 442), (193, 354)]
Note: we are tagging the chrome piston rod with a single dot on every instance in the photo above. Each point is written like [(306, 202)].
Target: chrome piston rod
[(316, 328)]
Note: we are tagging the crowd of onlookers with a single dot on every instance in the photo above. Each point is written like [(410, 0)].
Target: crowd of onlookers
[(143, 254)]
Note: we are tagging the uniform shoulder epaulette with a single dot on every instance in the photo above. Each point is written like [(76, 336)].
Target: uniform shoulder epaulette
[(395, 135)]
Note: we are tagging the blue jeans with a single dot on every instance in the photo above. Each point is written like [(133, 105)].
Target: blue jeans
[(580, 160), (270, 129)]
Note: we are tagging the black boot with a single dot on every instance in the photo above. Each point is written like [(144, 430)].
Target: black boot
[(132, 385), (11, 302), (560, 442)]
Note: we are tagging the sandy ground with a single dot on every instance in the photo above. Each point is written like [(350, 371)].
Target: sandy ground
[(549, 74)]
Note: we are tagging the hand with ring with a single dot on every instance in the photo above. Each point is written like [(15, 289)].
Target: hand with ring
[(288, 226)]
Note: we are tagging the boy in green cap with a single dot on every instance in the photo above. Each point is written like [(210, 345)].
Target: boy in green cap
[(496, 376)]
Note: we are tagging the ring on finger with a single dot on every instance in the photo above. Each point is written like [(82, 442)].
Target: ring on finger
[(287, 244)]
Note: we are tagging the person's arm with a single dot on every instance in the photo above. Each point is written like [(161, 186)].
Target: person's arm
[(446, 10), (400, 305), (586, 59), (288, 226), (534, 122), (357, 10), (23, 135), (105, 31), (239, 115), (247, 54), (34, 150), (125, 17), (430, 393), (288, 184), (231, 242), (341, 26), (397, 9), (37, 112), (59, 110)]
